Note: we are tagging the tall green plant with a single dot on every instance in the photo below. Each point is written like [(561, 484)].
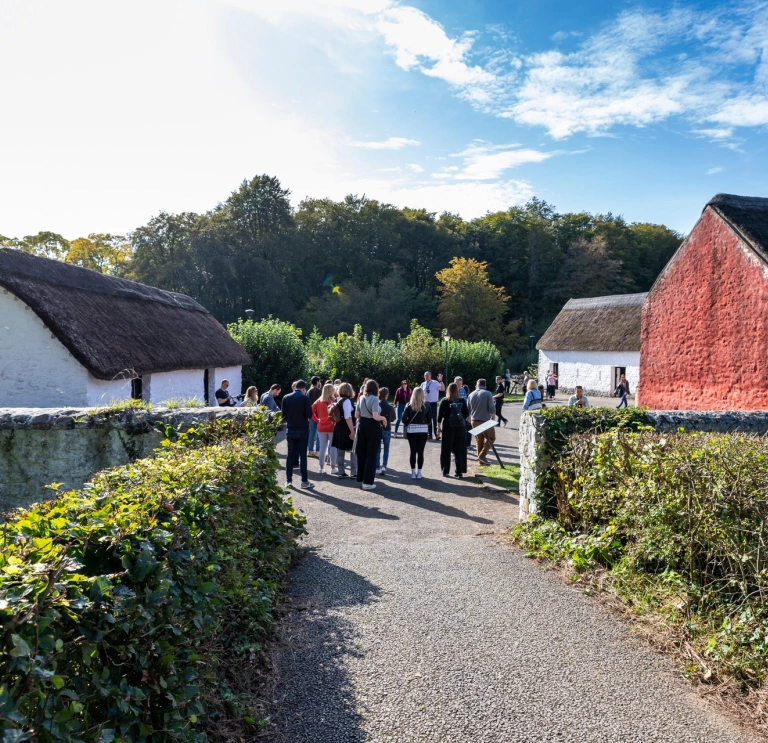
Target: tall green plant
[(277, 353)]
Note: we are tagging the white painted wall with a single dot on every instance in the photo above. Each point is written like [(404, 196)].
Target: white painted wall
[(102, 392), (235, 376), (36, 370), (157, 388), (590, 369)]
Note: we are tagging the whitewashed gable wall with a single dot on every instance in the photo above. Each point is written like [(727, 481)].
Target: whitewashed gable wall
[(590, 369)]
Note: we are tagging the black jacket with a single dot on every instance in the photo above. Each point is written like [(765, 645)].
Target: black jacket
[(297, 411)]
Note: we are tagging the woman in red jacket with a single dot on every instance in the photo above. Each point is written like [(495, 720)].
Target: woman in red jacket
[(325, 428), (402, 398)]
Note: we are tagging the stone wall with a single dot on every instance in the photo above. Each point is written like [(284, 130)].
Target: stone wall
[(39, 446), (532, 464)]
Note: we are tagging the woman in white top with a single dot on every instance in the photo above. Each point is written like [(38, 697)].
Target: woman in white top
[(251, 398)]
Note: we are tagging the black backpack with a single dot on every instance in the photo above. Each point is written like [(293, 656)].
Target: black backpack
[(456, 419)]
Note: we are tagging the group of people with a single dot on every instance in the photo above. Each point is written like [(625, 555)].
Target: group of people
[(331, 422)]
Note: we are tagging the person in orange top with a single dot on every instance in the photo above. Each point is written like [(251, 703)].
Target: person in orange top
[(325, 427)]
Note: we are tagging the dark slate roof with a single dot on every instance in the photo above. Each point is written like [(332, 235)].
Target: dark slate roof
[(596, 324), (114, 326), (748, 216)]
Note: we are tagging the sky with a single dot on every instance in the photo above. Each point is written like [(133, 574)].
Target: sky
[(113, 112)]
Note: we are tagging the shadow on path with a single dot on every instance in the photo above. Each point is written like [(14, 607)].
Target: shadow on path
[(314, 693), (350, 507)]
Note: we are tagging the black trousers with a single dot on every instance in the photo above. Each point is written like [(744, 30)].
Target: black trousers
[(499, 406), (454, 441), (417, 442), (297, 454), (368, 443), (432, 419)]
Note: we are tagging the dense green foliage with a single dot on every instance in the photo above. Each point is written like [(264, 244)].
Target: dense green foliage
[(560, 424), (680, 522), (279, 356), (124, 607), (333, 265), (277, 353)]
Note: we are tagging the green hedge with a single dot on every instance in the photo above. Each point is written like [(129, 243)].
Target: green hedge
[(680, 521), (560, 424), (115, 601)]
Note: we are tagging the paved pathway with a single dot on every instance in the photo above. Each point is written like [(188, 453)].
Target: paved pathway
[(412, 621)]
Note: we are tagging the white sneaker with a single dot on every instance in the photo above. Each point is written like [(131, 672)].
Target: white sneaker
[(334, 471), (380, 471), (322, 471), (419, 475), (369, 487), (383, 471), (413, 474)]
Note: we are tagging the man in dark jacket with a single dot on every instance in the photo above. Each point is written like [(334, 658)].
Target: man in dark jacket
[(297, 412)]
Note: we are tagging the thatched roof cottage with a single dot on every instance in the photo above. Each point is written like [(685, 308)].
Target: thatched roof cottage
[(592, 342), (70, 336)]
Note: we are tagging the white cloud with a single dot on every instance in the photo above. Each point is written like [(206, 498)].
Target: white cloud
[(393, 143), (487, 162), (715, 133), (714, 171)]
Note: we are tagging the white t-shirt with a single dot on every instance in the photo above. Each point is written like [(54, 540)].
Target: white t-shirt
[(431, 390), (347, 407)]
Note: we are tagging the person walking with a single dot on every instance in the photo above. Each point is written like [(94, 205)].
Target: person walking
[(386, 433), (464, 395), (498, 399), (534, 398), (415, 420), (623, 391), (551, 384), (402, 398), (432, 389), (369, 417), (297, 412), (325, 428), (344, 430), (452, 415), (481, 410), (313, 393)]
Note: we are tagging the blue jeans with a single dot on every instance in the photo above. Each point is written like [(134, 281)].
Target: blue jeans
[(622, 402), (386, 437), (312, 436), (400, 411)]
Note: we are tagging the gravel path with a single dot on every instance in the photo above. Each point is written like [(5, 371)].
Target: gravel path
[(413, 622)]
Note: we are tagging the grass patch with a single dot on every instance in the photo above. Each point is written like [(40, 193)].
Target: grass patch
[(119, 406), (513, 398), (183, 402), (508, 477)]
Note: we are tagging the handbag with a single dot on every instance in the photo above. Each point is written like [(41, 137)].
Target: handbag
[(417, 428)]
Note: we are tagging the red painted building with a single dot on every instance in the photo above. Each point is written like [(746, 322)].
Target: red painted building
[(704, 336)]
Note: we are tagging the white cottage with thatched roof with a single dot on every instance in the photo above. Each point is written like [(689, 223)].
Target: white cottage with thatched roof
[(592, 342), (72, 337)]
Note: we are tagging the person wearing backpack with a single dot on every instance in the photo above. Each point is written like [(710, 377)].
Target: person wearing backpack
[(415, 419), (342, 412), (533, 397), (451, 416)]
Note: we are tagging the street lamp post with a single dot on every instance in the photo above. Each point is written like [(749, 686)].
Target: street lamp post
[(531, 358), (446, 338), (249, 314)]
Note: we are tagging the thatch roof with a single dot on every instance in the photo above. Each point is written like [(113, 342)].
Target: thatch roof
[(596, 324), (113, 326), (748, 216)]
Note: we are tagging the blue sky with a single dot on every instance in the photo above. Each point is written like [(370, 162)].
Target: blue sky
[(115, 113)]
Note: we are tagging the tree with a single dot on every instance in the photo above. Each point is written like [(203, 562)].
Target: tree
[(277, 354), (471, 307), (104, 253), (45, 244)]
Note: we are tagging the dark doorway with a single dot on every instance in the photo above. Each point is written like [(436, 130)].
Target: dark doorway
[(136, 388), (205, 387), (617, 372)]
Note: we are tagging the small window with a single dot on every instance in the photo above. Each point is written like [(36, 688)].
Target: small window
[(136, 388)]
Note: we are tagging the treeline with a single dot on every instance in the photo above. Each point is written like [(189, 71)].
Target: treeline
[(334, 265)]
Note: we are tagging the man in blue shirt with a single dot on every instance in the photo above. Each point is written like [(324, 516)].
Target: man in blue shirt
[(297, 412)]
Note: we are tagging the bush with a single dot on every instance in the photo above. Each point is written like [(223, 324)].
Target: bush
[(277, 354), (681, 523), (354, 357), (123, 606), (560, 424)]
